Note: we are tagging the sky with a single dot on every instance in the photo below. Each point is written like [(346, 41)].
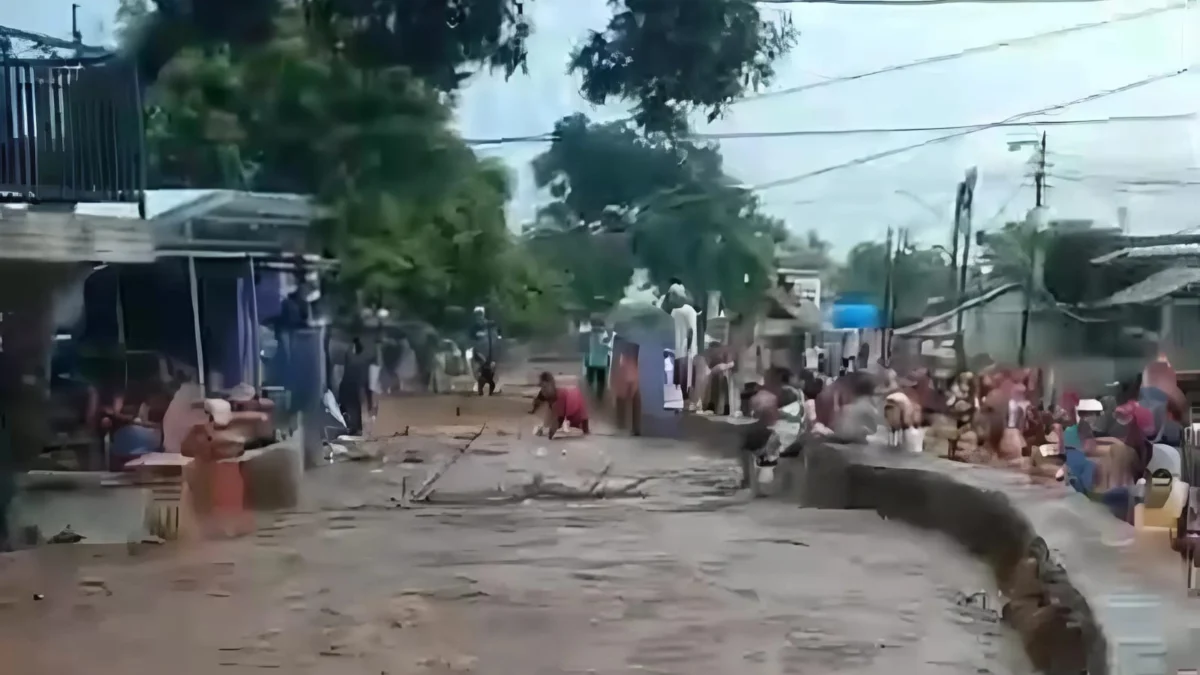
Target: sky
[(1090, 165)]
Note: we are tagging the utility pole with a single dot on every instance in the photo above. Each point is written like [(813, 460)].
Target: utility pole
[(964, 204), (964, 199), (897, 244), (1033, 223), (889, 272)]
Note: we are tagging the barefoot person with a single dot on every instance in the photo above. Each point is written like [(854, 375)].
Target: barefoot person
[(565, 403)]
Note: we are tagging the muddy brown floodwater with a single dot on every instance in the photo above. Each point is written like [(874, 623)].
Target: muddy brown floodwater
[(690, 580)]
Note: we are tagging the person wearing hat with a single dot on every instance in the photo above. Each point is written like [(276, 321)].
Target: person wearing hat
[(1087, 414)]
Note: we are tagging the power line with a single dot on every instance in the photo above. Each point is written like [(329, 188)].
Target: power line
[(970, 51), (1007, 203), (921, 3), (940, 139), (1116, 119), (738, 135)]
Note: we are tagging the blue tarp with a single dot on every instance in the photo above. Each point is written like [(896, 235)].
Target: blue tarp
[(856, 316)]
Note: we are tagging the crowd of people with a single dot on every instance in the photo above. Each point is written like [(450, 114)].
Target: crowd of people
[(1112, 447)]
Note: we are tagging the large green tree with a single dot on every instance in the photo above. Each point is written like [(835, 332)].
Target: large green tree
[(681, 214), (666, 57), (351, 101)]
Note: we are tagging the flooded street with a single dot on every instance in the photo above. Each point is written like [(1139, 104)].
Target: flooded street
[(692, 579)]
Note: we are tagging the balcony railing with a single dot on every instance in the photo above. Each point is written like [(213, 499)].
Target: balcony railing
[(70, 131)]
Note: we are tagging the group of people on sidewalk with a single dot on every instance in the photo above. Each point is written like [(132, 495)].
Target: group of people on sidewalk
[(1115, 448)]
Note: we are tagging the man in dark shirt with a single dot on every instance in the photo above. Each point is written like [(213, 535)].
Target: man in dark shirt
[(355, 388), (483, 352)]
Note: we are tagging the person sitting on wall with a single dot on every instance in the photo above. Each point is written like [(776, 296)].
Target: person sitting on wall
[(860, 417)]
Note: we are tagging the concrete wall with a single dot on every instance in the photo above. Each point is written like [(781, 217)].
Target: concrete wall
[(995, 329), (1062, 562), (103, 515)]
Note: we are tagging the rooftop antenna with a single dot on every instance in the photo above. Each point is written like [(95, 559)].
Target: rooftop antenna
[(76, 36)]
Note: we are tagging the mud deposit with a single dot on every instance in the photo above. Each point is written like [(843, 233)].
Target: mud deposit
[(691, 580)]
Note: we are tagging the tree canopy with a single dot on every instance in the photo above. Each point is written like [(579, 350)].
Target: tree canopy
[(673, 56), (918, 276), (417, 219), (681, 214), (666, 57), (352, 101)]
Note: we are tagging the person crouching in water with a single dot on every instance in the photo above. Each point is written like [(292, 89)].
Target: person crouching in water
[(564, 403)]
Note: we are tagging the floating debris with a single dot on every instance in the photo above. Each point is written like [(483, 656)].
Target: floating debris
[(67, 536)]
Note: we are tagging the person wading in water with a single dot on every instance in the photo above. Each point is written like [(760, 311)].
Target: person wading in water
[(483, 353), (355, 388)]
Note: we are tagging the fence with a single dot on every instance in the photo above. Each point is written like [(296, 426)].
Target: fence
[(70, 131)]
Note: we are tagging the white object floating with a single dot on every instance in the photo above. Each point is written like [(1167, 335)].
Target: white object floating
[(540, 452)]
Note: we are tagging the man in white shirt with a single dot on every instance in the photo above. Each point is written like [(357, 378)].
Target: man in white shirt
[(686, 348), (676, 296)]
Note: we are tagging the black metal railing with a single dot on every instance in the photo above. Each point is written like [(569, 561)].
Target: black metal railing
[(71, 131)]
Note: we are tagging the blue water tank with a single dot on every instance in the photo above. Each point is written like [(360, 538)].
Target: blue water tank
[(856, 315)]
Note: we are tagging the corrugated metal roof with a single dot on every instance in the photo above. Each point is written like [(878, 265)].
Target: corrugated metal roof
[(1154, 287), (1159, 251)]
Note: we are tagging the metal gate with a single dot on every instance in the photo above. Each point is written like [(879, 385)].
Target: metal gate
[(71, 131)]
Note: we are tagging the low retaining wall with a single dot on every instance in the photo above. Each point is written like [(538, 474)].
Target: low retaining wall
[(1085, 593)]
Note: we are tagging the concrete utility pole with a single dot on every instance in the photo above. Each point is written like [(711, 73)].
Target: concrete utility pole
[(964, 201), (888, 277), (1033, 221)]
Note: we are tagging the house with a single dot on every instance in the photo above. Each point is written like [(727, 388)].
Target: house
[(1163, 309), (70, 134), (800, 284), (991, 322)]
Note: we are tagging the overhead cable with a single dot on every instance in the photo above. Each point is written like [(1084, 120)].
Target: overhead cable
[(1115, 119), (921, 3), (959, 134), (970, 51), (788, 133)]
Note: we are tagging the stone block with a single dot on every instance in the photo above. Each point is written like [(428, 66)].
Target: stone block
[(102, 515)]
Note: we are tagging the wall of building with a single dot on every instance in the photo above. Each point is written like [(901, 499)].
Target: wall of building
[(1180, 333), (994, 329)]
